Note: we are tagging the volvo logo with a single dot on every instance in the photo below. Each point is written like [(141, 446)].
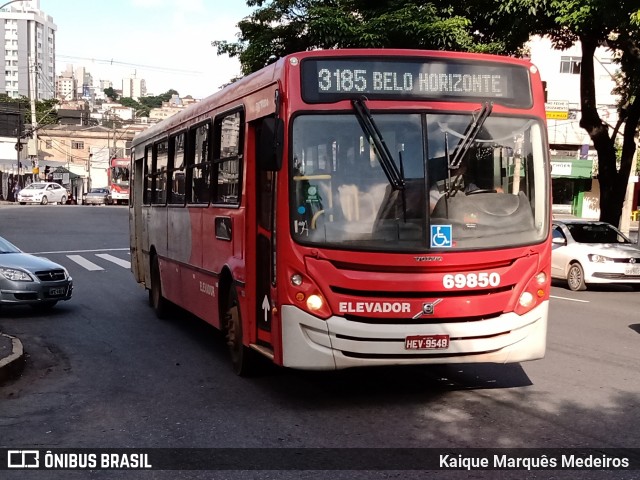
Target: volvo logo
[(431, 258), (427, 309)]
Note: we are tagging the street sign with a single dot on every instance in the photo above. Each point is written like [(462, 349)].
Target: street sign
[(557, 109)]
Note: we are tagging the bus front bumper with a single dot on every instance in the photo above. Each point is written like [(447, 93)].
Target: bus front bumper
[(310, 343)]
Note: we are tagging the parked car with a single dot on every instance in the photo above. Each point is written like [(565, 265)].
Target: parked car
[(588, 252), (43, 193), (29, 280), (97, 196)]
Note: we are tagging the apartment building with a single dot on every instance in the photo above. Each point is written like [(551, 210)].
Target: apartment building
[(28, 35), (66, 85), (134, 87)]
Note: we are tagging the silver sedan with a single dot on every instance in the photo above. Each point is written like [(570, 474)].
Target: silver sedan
[(589, 252), (97, 196), (29, 280)]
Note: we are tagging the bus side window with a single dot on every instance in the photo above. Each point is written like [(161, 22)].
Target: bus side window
[(198, 165), (228, 157)]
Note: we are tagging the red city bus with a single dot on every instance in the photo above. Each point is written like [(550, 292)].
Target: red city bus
[(119, 180), (354, 208)]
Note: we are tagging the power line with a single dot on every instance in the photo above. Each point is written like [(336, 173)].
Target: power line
[(148, 67)]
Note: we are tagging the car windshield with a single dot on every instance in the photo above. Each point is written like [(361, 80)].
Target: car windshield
[(35, 186), (98, 190), (340, 195), (596, 233), (8, 247)]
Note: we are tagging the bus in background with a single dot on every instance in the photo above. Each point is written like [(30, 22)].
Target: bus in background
[(351, 208), (119, 180)]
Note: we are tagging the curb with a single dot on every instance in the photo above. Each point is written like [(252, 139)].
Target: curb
[(12, 364)]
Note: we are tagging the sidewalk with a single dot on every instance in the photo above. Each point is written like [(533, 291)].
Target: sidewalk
[(11, 357)]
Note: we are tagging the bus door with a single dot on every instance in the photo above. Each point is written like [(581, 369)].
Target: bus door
[(265, 272), (137, 232)]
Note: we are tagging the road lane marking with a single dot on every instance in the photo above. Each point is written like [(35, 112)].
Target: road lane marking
[(116, 260), (84, 251), (83, 262), (569, 299)]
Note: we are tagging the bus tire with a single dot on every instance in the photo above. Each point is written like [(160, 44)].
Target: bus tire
[(575, 278), (242, 358), (159, 304)]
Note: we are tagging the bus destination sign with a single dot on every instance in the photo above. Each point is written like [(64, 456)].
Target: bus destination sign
[(330, 80)]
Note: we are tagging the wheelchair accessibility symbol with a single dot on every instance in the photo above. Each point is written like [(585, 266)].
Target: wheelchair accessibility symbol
[(440, 236)]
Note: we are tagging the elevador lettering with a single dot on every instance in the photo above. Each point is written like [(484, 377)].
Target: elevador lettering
[(374, 307)]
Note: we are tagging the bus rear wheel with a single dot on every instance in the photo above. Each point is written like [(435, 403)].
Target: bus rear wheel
[(159, 304), (242, 358)]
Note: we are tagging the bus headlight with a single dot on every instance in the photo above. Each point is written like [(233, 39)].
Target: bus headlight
[(306, 295), (315, 303), (536, 291), (526, 299)]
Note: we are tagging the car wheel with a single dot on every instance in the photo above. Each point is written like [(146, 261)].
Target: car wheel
[(63, 200), (44, 306), (243, 359), (44, 200), (23, 203), (159, 304), (575, 278)]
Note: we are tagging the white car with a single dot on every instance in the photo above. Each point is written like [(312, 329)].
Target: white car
[(43, 193), (587, 252)]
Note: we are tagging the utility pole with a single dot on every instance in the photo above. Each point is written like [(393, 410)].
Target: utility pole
[(32, 145), (19, 146)]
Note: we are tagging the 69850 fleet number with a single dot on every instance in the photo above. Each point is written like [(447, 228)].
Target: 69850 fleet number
[(471, 280)]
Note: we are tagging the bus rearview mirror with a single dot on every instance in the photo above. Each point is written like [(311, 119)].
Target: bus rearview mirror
[(271, 144)]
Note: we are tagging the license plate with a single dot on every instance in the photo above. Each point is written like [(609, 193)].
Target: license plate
[(426, 342), (57, 291), (632, 270)]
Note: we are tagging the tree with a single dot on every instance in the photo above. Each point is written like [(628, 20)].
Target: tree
[(140, 109), (46, 110), (279, 27), (111, 93), (595, 23)]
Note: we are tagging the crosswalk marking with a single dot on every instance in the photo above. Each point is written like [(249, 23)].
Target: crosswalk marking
[(116, 260), (83, 262)]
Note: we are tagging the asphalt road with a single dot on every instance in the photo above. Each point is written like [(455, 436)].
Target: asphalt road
[(103, 372)]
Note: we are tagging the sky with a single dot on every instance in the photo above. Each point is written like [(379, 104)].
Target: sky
[(165, 42)]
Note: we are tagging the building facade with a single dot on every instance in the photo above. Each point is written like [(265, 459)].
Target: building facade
[(66, 85), (84, 151), (134, 87), (28, 55), (573, 159)]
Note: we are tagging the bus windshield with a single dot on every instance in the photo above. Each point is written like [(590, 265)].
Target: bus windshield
[(493, 195), (120, 176)]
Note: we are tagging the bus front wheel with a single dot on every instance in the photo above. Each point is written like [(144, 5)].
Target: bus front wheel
[(159, 304), (242, 358)]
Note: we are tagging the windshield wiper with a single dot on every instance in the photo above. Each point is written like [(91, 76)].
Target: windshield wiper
[(383, 153), (470, 134)]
